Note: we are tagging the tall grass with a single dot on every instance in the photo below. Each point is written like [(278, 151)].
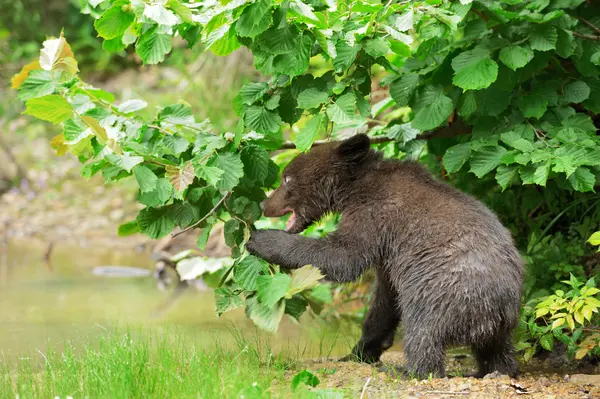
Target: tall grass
[(132, 365)]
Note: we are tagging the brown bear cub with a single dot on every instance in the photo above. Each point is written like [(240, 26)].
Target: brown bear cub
[(445, 264)]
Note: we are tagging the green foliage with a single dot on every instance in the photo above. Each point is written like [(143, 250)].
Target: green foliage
[(305, 377), (520, 79), (565, 316)]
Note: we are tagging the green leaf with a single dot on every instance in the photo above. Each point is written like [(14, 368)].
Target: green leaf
[(160, 195), (303, 11), (515, 140), (566, 164), (129, 228), (152, 46), (345, 56), (263, 316), (255, 19), (226, 44), (159, 14), (342, 110), (155, 222), (37, 84), (252, 92), (403, 132), (565, 45), (125, 161), (547, 342), (376, 48), (543, 37), (178, 114), (515, 56), (233, 232), (247, 271), (74, 131), (52, 108), (312, 98), (256, 163), (130, 106), (486, 159), (432, 108), (146, 178), (505, 175), (174, 145), (203, 237), (211, 174), (115, 45), (272, 288), (262, 120), (456, 156), (296, 306), (533, 106), (467, 104), (321, 293), (304, 377), (183, 214), (226, 300), (474, 69), (304, 278), (540, 176), (233, 170), (296, 62), (582, 180), (182, 11), (576, 92), (280, 40), (309, 132), (594, 238), (114, 21), (403, 89)]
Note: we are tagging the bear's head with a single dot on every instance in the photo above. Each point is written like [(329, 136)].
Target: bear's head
[(315, 183)]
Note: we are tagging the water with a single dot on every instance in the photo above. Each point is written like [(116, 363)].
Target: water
[(43, 304)]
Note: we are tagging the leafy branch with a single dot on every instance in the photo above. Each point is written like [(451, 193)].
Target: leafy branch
[(199, 222)]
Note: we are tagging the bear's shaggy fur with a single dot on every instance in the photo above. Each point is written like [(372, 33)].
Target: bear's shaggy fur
[(445, 264)]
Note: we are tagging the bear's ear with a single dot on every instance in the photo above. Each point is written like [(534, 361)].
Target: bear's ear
[(355, 148)]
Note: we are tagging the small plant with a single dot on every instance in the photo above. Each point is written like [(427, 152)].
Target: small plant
[(565, 316), (595, 240), (305, 377)]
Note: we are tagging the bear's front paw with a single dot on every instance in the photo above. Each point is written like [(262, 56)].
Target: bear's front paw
[(264, 244)]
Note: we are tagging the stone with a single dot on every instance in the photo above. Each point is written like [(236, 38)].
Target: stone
[(463, 387), (496, 375)]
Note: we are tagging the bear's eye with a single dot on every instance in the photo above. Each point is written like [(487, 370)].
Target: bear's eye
[(287, 179)]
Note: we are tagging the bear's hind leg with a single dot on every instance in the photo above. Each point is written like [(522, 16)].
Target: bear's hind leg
[(496, 355), (379, 328), (425, 353)]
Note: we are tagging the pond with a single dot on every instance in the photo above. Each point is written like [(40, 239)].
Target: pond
[(49, 303)]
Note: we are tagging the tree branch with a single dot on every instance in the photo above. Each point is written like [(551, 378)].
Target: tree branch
[(205, 216), (588, 37), (589, 24), (456, 128)]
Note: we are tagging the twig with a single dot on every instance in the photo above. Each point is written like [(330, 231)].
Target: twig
[(589, 24), (588, 37), (365, 388), (205, 216)]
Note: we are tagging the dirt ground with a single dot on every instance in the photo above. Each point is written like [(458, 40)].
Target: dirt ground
[(366, 381)]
